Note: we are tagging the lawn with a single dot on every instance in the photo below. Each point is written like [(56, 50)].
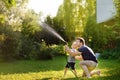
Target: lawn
[(53, 70)]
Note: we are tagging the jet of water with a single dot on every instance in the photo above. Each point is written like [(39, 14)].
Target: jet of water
[(51, 31)]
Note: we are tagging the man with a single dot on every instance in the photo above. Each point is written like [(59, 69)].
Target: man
[(89, 62)]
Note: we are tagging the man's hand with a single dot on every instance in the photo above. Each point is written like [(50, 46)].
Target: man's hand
[(78, 57)]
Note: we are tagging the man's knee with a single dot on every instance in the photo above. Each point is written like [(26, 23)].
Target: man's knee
[(82, 63)]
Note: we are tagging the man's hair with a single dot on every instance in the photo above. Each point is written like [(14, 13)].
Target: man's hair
[(81, 40)]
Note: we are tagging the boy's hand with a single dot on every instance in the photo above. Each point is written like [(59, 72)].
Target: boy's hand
[(67, 48)]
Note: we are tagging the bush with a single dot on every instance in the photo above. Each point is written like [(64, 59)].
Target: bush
[(26, 47), (57, 50), (8, 43), (48, 52), (29, 49), (111, 54), (44, 52)]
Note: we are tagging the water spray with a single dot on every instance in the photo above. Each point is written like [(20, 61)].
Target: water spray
[(47, 28)]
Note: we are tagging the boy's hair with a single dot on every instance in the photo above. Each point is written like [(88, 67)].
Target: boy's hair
[(81, 40)]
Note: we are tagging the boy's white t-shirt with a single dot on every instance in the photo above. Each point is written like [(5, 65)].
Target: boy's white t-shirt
[(71, 58)]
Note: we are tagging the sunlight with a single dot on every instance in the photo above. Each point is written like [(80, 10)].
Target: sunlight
[(46, 7)]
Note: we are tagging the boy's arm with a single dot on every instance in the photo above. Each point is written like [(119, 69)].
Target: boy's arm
[(72, 53)]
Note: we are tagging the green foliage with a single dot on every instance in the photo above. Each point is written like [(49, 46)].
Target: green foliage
[(111, 54), (74, 14), (10, 23), (113, 46), (45, 52), (48, 52), (2, 11), (9, 3), (116, 27), (9, 43), (28, 38), (40, 51), (2, 20), (57, 50), (26, 47), (97, 36), (30, 23)]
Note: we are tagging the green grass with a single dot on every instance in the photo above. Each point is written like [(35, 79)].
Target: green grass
[(53, 70)]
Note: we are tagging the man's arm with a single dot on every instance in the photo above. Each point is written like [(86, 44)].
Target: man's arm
[(78, 57), (71, 52)]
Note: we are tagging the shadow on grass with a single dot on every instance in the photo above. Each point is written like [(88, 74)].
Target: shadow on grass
[(113, 77), (61, 79), (26, 66), (112, 74)]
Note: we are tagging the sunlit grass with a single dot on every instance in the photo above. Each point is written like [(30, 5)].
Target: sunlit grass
[(53, 70)]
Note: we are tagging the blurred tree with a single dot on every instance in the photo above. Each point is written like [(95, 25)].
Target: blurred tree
[(9, 3), (28, 37), (97, 35), (9, 42), (105, 35), (74, 14), (9, 27), (116, 28), (5, 4)]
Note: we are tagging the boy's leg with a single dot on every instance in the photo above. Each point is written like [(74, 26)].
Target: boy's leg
[(75, 72), (66, 67), (72, 65), (65, 71)]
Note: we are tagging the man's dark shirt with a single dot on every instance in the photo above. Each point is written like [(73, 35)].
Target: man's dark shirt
[(87, 53)]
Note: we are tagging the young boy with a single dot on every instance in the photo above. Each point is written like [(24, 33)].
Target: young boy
[(71, 61)]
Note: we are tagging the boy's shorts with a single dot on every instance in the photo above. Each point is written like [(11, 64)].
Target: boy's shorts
[(70, 65)]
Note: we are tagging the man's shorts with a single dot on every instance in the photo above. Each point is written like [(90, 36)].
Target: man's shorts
[(91, 65), (70, 65)]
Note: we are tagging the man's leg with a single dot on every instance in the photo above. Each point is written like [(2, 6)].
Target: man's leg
[(95, 72), (87, 67), (83, 74)]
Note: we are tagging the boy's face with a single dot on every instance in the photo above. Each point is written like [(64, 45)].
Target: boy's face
[(74, 45)]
